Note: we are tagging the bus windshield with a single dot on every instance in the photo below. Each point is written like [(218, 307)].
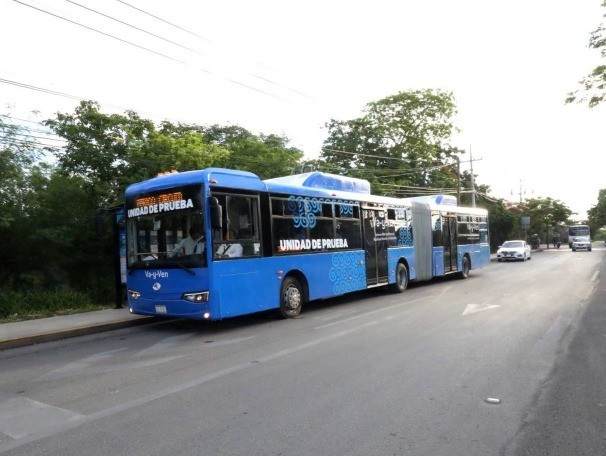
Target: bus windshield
[(578, 230), (166, 230)]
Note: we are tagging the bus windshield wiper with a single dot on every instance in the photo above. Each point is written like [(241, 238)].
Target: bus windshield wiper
[(186, 269)]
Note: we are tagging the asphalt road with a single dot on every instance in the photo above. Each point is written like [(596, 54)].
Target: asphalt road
[(375, 373)]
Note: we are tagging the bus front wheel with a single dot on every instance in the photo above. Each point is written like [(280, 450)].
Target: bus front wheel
[(291, 298), (401, 279)]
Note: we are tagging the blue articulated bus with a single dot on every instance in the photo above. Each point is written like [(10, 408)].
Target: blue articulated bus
[(217, 243)]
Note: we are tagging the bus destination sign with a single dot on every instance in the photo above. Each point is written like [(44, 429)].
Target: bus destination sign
[(163, 202)]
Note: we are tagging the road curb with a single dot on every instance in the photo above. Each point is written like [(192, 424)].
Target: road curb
[(75, 332)]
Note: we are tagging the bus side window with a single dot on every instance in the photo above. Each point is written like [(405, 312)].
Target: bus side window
[(241, 219)]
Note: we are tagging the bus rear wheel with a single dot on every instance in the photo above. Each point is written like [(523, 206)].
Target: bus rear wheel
[(401, 279), (465, 267), (291, 298)]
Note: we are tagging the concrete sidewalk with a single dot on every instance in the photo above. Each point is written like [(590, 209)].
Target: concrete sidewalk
[(30, 332)]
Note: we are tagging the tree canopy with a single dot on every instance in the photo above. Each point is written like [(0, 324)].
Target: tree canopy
[(546, 214), (593, 84), (400, 141), (597, 214), (47, 210)]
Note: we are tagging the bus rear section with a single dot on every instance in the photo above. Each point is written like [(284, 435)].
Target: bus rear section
[(449, 239)]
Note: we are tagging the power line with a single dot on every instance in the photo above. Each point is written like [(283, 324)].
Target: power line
[(233, 81), (23, 143), (22, 120), (181, 46), (361, 154), (99, 31), (383, 157), (40, 89), (209, 41), (41, 137), (164, 20), (416, 188), (134, 27)]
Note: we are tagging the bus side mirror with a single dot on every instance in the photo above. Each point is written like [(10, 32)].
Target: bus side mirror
[(216, 213)]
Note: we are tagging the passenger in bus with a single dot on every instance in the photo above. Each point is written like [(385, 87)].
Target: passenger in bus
[(194, 244), (229, 250)]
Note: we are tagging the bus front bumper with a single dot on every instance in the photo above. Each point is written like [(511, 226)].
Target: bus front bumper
[(178, 308)]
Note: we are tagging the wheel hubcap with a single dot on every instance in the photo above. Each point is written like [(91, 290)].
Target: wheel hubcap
[(292, 297)]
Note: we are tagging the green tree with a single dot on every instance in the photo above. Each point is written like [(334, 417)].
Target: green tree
[(164, 151), (401, 140), (501, 222), (593, 84), (266, 156), (98, 148), (19, 151), (62, 250), (597, 214), (545, 215)]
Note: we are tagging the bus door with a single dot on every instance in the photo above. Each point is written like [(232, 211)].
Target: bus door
[(375, 244), (449, 233)]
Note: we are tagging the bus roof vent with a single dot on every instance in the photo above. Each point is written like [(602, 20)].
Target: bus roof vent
[(317, 179)]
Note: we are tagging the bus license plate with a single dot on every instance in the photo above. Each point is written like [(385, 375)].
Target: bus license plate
[(161, 309)]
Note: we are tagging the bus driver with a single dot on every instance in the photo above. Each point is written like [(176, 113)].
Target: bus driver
[(194, 244)]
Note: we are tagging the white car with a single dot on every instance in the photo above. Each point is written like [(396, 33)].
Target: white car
[(581, 242), (514, 250)]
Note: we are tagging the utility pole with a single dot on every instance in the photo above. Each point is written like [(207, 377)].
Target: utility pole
[(473, 184), (521, 192), (458, 179)]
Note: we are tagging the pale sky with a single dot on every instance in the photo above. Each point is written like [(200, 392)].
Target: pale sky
[(509, 65)]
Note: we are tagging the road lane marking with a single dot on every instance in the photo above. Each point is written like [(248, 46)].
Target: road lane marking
[(366, 314), (445, 290), (164, 345), (78, 420), (595, 276), (22, 417), (475, 308), (82, 369)]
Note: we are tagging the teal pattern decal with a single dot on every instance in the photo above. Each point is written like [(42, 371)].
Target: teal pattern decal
[(405, 236), (346, 273), (305, 209)]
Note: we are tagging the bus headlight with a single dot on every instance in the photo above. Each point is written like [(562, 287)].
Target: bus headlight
[(134, 294), (201, 296)]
